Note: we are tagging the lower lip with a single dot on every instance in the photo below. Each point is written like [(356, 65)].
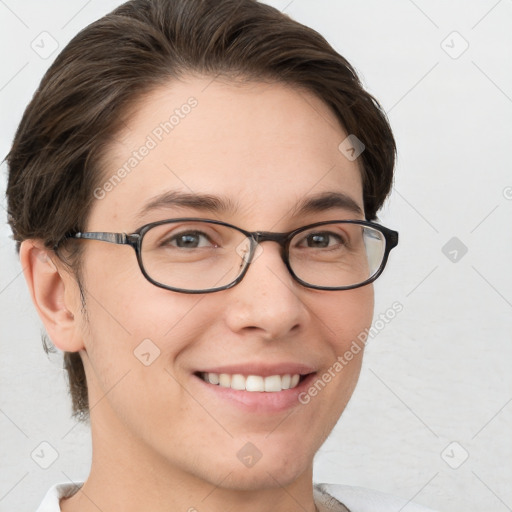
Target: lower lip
[(259, 401)]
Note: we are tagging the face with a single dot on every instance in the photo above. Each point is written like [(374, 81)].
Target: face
[(262, 150)]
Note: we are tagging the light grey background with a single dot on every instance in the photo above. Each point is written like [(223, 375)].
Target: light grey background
[(439, 372)]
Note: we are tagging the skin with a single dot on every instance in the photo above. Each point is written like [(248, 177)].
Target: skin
[(159, 441)]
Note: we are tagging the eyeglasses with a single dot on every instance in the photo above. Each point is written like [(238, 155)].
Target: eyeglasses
[(192, 255)]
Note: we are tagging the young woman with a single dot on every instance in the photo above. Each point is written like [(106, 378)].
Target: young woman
[(193, 189)]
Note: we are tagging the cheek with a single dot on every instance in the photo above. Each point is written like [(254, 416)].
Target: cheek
[(133, 348), (122, 304), (347, 314), (341, 317), (135, 329), (125, 326)]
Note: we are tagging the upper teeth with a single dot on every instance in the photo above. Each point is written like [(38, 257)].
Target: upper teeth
[(252, 382)]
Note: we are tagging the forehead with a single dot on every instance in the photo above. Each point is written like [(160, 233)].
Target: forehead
[(261, 147)]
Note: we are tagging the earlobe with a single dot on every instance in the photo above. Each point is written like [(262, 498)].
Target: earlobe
[(48, 285)]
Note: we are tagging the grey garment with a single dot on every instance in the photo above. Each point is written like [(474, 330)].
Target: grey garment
[(359, 499), (325, 502)]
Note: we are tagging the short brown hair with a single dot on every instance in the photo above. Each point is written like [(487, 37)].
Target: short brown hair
[(55, 158)]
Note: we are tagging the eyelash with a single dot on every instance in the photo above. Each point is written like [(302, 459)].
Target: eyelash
[(173, 237)]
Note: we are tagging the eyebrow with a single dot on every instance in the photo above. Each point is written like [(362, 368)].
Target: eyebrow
[(202, 202), (327, 201), (216, 204)]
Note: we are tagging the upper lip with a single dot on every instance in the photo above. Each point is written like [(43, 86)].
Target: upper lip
[(264, 370)]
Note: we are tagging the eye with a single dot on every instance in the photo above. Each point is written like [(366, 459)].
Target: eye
[(189, 240), (321, 240)]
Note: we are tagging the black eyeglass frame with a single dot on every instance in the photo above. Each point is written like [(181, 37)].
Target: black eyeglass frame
[(256, 237)]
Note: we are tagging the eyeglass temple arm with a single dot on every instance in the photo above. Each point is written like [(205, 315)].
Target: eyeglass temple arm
[(113, 238)]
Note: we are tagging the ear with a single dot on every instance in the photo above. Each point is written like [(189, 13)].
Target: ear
[(55, 294)]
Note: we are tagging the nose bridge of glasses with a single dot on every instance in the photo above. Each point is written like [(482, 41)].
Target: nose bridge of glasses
[(268, 236), (256, 238)]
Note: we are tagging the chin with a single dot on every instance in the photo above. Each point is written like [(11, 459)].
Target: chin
[(263, 476), (272, 465)]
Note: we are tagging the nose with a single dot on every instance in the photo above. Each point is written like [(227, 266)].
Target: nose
[(267, 301)]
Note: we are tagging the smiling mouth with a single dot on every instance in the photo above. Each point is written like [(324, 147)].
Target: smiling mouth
[(253, 383)]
